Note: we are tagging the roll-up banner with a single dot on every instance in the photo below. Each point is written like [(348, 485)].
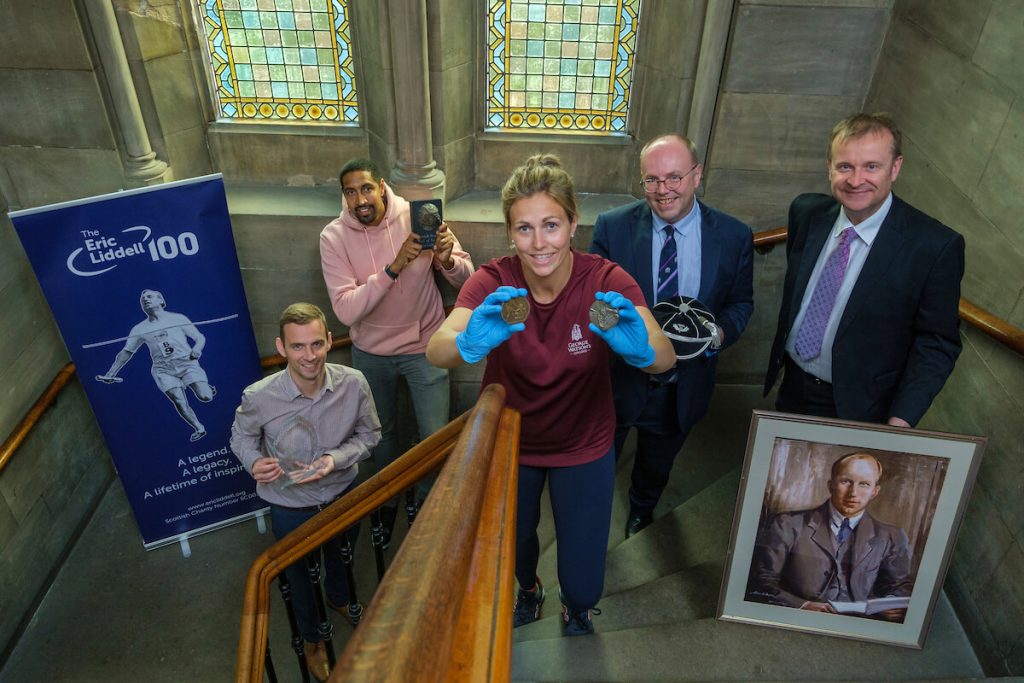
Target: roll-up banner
[(145, 288)]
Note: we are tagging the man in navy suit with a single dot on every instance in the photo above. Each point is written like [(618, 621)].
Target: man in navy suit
[(874, 338), (712, 257)]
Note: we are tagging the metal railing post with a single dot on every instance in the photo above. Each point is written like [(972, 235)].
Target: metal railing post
[(286, 595)]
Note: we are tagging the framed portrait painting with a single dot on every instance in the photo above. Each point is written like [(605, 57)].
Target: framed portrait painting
[(845, 528)]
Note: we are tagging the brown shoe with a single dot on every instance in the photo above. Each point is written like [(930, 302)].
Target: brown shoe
[(316, 660), (352, 618)]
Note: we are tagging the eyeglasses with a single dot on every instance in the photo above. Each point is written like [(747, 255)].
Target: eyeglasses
[(671, 183)]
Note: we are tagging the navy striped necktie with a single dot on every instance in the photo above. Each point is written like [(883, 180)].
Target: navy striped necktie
[(668, 267)]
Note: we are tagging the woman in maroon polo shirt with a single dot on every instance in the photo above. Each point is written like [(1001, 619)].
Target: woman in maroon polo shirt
[(555, 370)]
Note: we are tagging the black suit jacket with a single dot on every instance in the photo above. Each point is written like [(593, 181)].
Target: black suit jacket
[(899, 337), (623, 235)]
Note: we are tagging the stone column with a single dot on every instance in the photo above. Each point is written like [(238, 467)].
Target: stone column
[(415, 175), (715, 37), (141, 166)]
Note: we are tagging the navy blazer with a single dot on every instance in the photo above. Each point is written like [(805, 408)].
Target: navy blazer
[(794, 559), (623, 235), (899, 336)]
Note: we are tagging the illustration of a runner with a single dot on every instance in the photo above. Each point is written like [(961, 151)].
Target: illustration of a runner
[(175, 362)]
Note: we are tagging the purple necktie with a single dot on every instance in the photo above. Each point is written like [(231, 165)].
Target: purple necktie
[(819, 310), (668, 268)]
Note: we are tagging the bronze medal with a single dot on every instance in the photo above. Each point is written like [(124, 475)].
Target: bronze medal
[(515, 310), (603, 315)]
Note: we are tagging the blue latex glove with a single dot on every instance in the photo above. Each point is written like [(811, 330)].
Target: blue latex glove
[(486, 329), (628, 337)]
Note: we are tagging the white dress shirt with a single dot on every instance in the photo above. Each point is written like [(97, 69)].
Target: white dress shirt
[(860, 247)]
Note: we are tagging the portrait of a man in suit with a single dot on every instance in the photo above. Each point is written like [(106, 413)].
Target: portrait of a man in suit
[(837, 551), (868, 324)]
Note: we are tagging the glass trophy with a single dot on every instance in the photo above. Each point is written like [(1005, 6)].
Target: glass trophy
[(295, 448)]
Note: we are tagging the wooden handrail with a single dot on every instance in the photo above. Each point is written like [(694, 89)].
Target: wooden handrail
[(995, 327), (1003, 332), (64, 375), (769, 238), (35, 413), (430, 592), (482, 650), (381, 487), (438, 539)]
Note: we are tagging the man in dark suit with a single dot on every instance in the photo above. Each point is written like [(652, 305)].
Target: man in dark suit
[(673, 245), (836, 551), (868, 327)]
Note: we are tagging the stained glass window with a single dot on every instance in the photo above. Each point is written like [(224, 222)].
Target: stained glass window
[(560, 64), (281, 60)]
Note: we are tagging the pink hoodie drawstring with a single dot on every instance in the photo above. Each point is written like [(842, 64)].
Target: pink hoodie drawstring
[(391, 241)]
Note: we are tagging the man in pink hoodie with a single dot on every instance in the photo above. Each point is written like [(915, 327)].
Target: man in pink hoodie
[(381, 284)]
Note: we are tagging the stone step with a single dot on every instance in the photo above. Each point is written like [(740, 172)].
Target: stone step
[(696, 532), (709, 453), (709, 649), (688, 594)]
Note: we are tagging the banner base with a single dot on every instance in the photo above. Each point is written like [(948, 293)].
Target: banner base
[(182, 539)]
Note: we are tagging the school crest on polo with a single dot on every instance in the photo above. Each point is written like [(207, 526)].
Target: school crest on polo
[(577, 344)]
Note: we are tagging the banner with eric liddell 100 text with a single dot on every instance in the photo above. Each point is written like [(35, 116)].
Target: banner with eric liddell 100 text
[(147, 293)]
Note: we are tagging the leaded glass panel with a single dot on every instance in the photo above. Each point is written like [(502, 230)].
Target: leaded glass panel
[(281, 60), (560, 64)]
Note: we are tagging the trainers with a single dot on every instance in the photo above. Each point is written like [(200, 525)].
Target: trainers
[(527, 609), (576, 622)]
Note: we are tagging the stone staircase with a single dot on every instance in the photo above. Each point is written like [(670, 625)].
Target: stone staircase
[(174, 619), (658, 620)]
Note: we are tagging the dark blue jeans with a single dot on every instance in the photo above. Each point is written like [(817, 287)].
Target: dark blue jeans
[(285, 520), (428, 389), (581, 502)]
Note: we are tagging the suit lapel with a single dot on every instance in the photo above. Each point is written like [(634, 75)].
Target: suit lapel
[(822, 534), (886, 246), (817, 234), (641, 228), (710, 250), (863, 542)]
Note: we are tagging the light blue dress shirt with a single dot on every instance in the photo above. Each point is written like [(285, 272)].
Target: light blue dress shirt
[(687, 235)]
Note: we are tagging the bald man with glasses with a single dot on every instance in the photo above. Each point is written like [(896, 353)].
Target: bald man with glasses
[(673, 246)]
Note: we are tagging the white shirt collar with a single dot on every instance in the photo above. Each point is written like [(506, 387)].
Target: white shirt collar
[(294, 391), (684, 225), (837, 517), (868, 228)]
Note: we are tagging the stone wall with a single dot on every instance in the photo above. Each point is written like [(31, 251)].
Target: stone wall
[(163, 54), (55, 144), (56, 478), (793, 69), (55, 134), (452, 55), (953, 76)]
